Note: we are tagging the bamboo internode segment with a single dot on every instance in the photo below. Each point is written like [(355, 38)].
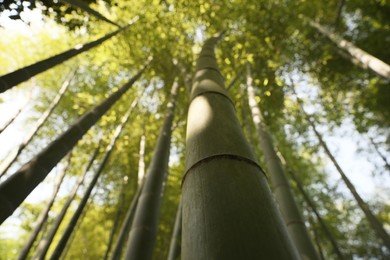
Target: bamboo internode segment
[(228, 209), (220, 157)]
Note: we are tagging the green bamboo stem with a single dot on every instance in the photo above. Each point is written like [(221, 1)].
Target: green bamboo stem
[(228, 208), (280, 185), (357, 55), (143, 231), (174, 247)]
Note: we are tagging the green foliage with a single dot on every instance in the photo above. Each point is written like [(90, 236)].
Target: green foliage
[(270, 35)]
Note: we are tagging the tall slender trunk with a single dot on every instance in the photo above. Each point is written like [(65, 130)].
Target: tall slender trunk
[(18, 76), (11, 120), (317, 239), (280, 185), (143, 230), (21, 108), (18, 186), (77, 226), (381, 155), (45, 243), (128, 220), (228, 208), (313, 207), (340, 7), (244, 114), (44, 213), (358, 55), (82, 5), (72, 223), (234, 80), (375, 223), (174, 248), (116, 221), (125, 227), (11, 158)]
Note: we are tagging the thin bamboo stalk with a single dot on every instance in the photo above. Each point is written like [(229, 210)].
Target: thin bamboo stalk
[(83, 6), (16, 188), (44, 213), (70, 227), (144, 227), (45, 243), (12, 157), (14, 78)]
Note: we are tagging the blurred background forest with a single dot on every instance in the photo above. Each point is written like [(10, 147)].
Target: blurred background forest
[(298, 73)]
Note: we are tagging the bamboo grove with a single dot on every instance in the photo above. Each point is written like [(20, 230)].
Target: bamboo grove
[(194, 130)]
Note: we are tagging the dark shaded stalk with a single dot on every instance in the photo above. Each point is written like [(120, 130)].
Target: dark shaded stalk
[(45, 243), (11, 120), (313, 207), (372, 219), (12, 157), (128, 220), (16, 188), (228, 209), (234, 80), (119, 211), (384, 159), (14, 78), (340, 7), (78, 225), (143, 230), (317, 239), (116, 222), (83, 6), (125, 227), (72, 223), (42, 219), (280, 185), (174, 248)]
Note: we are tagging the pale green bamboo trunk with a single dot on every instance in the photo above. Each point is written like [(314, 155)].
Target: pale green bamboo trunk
[(228, 208), (280, 185), (357, 55)]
